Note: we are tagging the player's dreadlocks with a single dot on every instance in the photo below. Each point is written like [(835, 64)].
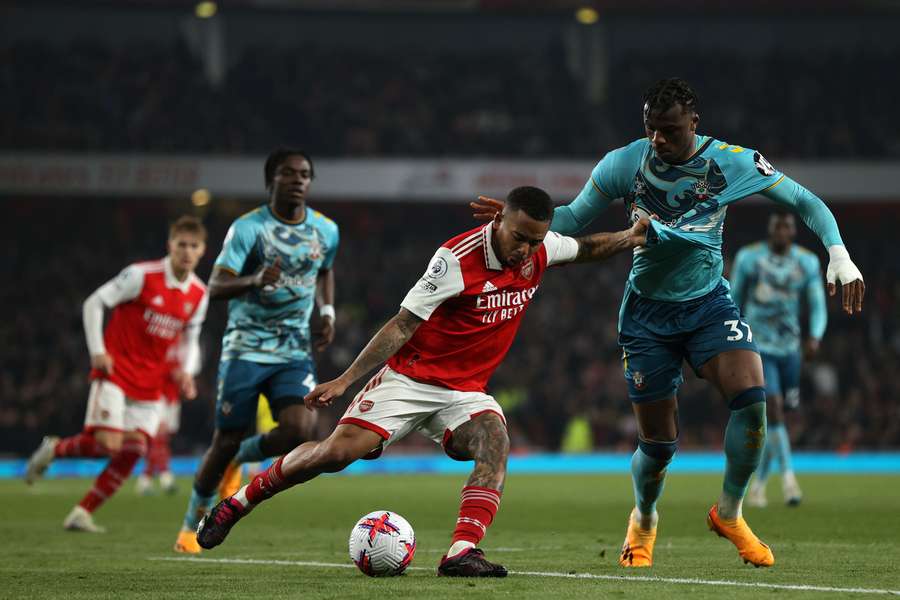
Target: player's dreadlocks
[(278, 156), (666, 93)]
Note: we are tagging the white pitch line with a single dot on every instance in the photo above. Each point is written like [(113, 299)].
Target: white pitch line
[(683, 580)]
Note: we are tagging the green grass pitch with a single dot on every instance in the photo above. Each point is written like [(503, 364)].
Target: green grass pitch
[(845, 535)]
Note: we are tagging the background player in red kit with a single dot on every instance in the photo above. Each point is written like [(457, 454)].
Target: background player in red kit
[(156, 305), (453, 330)]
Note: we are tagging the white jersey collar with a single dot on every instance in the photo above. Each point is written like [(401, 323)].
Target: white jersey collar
[(490, 259)]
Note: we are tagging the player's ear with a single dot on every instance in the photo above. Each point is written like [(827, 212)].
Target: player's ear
[(498, 218), (694, 120)]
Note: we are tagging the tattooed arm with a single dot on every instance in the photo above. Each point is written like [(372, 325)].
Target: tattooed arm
[(381, 347), (603, 245)]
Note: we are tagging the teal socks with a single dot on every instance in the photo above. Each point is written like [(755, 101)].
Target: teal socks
[(745, 440), (648, 473), (198, 506), (250, 450)]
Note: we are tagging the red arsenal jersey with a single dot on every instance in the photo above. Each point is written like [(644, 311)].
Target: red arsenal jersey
[(472, 305), (151, 310)]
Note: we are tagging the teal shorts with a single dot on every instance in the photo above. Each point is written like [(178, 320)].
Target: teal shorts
[(656, 337)]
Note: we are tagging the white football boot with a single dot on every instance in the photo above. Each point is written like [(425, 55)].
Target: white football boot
[(40, 459), (81, 520)]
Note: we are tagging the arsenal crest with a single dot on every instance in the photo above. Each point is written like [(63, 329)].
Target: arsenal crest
[(528, 269), (366, 405)]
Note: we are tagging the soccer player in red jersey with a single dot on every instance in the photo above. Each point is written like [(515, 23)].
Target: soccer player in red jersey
[(156, 306), (453, 330)]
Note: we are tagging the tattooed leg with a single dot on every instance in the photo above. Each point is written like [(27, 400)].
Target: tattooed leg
[(483, 439)]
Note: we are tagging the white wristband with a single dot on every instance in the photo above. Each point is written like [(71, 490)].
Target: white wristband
[(840, 268), (837, 252), (327, 311)]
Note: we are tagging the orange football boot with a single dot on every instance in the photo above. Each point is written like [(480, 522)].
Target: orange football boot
[(637, 551), (750, 547), (187, 542)]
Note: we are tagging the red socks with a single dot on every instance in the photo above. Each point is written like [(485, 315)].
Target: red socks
[(476, 513), (267, 484), (79, 445), (117, 471), (159, 454)]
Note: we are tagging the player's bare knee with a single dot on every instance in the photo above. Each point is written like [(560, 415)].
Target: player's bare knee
[(490, 443), (110, 441), (334, 455), (657, 420), (296, 423)]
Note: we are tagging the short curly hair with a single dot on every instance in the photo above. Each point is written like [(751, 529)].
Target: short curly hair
[(666, 93), (278, 156), (536, 203)]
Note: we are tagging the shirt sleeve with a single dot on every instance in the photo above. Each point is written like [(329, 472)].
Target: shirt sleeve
[(746, 171), (609, 180), (126, 286), (332, 246), (738, 277), (443, 279), (560, 248), (190, 344), (236, 247), (811, 208), (815, 300)]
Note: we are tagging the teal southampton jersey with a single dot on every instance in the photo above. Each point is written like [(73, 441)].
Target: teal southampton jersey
[(683, 256), (768, 287), (271, 324)]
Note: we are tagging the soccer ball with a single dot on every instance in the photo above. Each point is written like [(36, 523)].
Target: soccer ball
[(382, 544)]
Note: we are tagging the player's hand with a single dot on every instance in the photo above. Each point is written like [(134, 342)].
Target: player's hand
[(268, 275), (186, 384), (102, 362), (325, 335), (485, 209), (325, 393), (842, 270), (637, 235), (810, 348)]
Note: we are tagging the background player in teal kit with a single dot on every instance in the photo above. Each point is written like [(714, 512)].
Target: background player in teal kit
[(276, 262), (677, 306), (768, 280)]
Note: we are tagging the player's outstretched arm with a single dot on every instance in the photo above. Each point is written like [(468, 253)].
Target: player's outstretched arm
[(225, 285), (325, 301), (818, 218), (381, 347), (600, 246)]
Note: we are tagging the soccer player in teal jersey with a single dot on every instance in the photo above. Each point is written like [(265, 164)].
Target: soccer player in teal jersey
[(768, 280), (276, 262), (677, 306)]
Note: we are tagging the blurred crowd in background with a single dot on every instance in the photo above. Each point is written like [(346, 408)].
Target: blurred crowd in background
[(467, 85), (87, 96), (561, 385)]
